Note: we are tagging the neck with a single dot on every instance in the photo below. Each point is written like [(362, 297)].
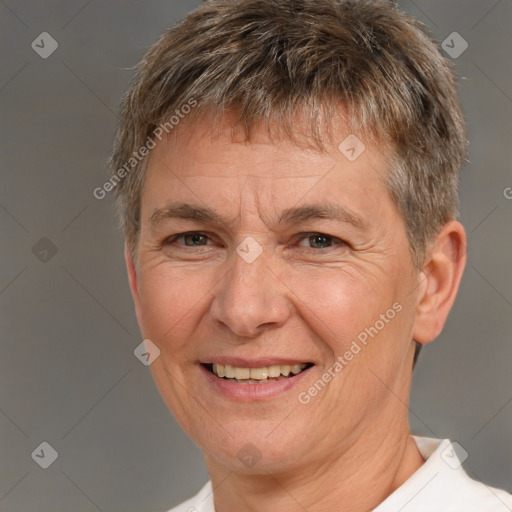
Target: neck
[(357, 480)]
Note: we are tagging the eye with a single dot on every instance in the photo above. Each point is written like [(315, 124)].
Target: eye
[(321, 240), (198, 239), (195, 238)]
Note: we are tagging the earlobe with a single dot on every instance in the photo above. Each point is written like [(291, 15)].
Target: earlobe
[(440, 280)]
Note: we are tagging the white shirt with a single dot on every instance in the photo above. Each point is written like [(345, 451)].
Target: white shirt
[(439, 485)]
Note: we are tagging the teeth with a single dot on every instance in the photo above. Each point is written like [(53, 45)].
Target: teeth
[(228, 370), (295, 369), (242, 373), (219, 370), (252, 375), (258, 373), (273, 371)]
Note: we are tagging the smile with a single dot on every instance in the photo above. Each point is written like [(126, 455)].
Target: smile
[(261, 375)]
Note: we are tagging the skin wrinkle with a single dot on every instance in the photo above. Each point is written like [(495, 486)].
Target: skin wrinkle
[(273, 90), (286, 302), (373, 58)]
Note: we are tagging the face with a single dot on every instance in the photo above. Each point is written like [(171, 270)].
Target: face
[(250, 281)]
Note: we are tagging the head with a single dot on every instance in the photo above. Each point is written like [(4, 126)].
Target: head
[(244, 124)]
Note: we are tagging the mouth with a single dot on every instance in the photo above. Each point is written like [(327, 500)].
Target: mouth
[(260, 375)]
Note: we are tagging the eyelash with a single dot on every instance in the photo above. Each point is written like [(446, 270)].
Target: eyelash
[(302, 236)]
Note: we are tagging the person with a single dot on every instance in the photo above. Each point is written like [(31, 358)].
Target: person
[(286, 177)]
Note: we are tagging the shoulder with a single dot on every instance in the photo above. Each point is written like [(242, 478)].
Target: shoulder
[(201, 502), (442, 484)]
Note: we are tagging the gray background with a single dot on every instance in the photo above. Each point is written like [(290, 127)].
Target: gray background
[(68, 373)]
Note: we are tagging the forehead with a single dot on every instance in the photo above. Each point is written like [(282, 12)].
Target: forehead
[(216, 166)]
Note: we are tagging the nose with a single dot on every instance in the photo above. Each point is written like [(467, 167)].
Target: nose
[(251, 297)]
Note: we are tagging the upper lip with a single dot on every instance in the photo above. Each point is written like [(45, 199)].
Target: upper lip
[(253, 363)]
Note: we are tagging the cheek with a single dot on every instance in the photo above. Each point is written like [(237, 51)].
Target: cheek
[(338, 305), (334, 304), (169, 303)]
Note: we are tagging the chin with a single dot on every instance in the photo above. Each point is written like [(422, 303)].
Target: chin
[(252, 449)]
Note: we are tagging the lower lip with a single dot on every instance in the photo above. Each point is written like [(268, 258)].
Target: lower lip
[(249, 392)]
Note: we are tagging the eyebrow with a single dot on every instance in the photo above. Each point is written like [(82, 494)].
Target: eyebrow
[(289, 216)]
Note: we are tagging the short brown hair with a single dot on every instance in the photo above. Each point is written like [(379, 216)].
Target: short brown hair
[(269, 59)]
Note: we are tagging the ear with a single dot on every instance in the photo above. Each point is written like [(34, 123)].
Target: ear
[(132, 279), (441, 276)]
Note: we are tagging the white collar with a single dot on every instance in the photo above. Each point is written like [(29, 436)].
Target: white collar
[(441, 484)]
